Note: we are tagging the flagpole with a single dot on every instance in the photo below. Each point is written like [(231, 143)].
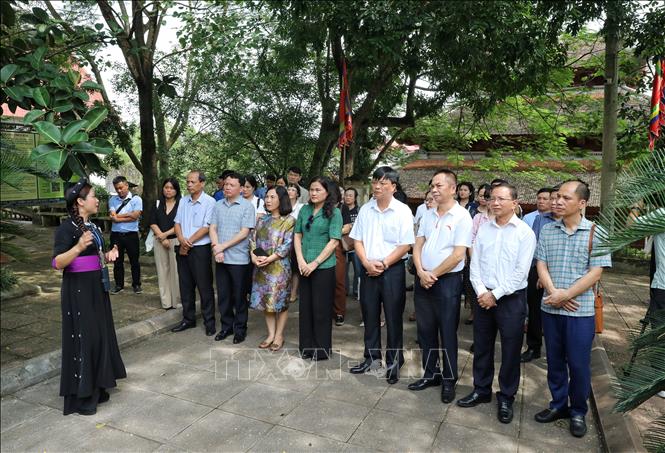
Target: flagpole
[(342, 165)]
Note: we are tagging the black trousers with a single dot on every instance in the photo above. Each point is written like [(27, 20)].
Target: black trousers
[(437, 316), (232, 296), (508, 319), (534, 297), (195, 271), (388, 289), (128, 242), (317, 294)]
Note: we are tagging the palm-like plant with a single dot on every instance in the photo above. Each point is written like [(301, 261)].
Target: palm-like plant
[(14, 165), (638, 211)]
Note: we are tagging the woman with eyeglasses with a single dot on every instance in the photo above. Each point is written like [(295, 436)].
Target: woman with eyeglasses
[(484, 215), (318, 230)]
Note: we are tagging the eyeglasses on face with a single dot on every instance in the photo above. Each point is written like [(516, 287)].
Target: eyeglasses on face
[(500, 199)]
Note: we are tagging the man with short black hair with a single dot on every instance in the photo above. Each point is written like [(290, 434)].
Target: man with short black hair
[(500, 263), (542, 205), (125, 210), (383, 234), (568, 271), (232, 220), (534, 293), (193, 255), (294, 176), (219, 193), (443, 237)]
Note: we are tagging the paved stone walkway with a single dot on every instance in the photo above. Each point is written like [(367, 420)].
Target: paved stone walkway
[(31, 325), (186, 392)]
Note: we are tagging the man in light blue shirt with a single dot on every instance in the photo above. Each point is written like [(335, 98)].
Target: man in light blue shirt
[(568, 272), (232, 220), (193, 255), (125, 210), (543, 205)]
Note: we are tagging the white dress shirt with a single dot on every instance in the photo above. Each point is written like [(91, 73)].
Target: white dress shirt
[(381, 232), (259, 207), (420, 210), (501, 257), (442, 234)]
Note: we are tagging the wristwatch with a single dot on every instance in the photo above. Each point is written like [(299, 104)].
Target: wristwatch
[(383, 263)]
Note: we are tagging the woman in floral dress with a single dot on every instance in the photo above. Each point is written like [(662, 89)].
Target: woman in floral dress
[(270, 252)]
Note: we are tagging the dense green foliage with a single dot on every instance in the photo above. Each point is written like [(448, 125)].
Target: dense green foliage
[(38, 76)]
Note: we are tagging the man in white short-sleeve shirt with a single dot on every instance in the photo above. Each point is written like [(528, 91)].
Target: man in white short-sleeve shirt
[(443, 238), (383, 234)]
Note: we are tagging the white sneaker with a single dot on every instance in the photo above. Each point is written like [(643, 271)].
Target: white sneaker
[(661, 393)]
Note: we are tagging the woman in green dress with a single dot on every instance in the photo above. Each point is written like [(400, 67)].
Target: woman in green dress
[(317, 232), (270, 251)]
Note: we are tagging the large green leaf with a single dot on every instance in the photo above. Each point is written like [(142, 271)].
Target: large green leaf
[(96, 146), (82, 95), (14, 93), (76, 166), (7, 72), (93, 163), (41, 96), (71, 129), (94, 117), (48, 131), (90, 85), (52, 155), (32, 116), (102, 146), (37, 57), (78, 138), (63, 106), (74, 76)]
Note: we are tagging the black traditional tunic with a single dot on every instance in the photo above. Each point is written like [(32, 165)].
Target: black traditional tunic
[(91, 359)]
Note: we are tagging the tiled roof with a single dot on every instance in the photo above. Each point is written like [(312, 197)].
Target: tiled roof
[(526, 178)]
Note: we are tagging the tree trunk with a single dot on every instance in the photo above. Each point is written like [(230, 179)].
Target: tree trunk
[(609, 166), (162, 145), (148, 147)]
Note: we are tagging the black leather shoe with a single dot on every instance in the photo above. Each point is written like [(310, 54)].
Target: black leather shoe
[(238, 339), (184, 325), (550, 415), (210, 331), (362, 368), (392, 375), (505, 412), (529, 355), (447, 393), (473, 399), (306, 355), (422, 384), (222, 334), (577, 426)]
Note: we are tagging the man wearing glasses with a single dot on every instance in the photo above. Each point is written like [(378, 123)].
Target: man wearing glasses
[(500, 263), (383, 233)]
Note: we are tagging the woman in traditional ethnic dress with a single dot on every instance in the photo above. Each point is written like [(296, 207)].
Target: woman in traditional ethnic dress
[(91, 360), (273, 238)]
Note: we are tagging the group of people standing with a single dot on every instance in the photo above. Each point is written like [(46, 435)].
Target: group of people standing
[(262, 245)]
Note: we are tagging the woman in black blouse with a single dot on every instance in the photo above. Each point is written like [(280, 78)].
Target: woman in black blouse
[(91, 361), (162, 225)]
